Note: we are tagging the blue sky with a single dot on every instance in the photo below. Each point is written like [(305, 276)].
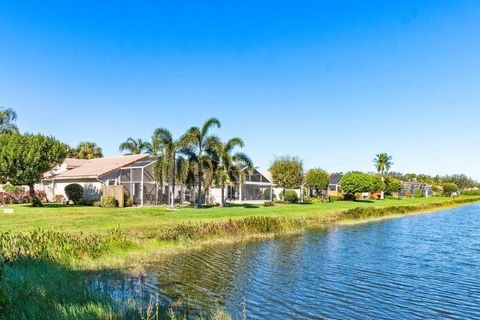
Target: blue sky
[(334, 82)]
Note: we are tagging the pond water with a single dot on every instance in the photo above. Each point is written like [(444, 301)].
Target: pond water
[(424, 266)]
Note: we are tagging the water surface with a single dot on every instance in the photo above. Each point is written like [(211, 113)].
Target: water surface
[(424, 266)]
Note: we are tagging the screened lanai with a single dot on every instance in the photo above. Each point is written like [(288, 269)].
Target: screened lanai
[(138, 179), (255, 187)]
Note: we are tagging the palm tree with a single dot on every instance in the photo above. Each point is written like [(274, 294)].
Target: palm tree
[(183, 175), (231, 164), (7, 117), (170, 148), (88, 150), (383, 163), (136, 146), (199, 140)]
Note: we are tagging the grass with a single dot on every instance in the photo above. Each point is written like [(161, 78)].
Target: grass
[(46, 273)]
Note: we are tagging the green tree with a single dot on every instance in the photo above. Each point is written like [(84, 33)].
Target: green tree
[(136, 146), (449, 189), (317, 179), (392, 185), (378, 184), (88, 150), (230, 164), (199, 141), (24, 159), (170, 147), (287, 172), (7, 119), (383, 163), (356, 182)]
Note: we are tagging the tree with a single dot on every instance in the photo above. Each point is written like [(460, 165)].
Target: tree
[(24, 159), (230, 164), (356, 182), (317, 179), (88, 150), (198, 141), (378, 184), (136, 146), (164, 141), (287, 172), (74, 192), (383, 163), (449, 189), (462, 181), (392, 185), (7, 119)]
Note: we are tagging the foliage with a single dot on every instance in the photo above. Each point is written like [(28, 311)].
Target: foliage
[(86, 202), (127, 199), (8, 187), (317, 179), (7, 119), (418, 193), (58, 198), (309, 200), (377, 184), (287, 172), (460, 180), (289, 196), (449, 189), (17, 197), (136, 146), (24, 159), (356, 182), (268, 204), (74, 192), (392, 185), (383, 162), (86, 150), (108, 202), (471, 192)]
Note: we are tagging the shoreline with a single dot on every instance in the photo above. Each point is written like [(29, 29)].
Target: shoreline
[(150, 252)]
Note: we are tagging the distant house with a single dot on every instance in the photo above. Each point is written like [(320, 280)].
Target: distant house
[(134, 172), (409, 188), (334, 184)]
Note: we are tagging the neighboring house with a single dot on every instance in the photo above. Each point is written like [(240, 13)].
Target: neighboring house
[(334, 184), (257, 188), (410, 188), (134, 172)]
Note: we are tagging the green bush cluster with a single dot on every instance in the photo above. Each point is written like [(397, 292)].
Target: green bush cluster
[(108, 202), (74, 192), (8, 187), (268, 204), (471, 193), (289, 196), (418, 193)]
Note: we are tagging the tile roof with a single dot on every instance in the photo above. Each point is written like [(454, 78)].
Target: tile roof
[(95, 168)]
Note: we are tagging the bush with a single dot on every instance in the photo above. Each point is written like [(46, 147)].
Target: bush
[(86, 202), (268, 204), (308, 200), (127, 200), (357, 182), (449, 189), (8, 187), (74, 192), (290, 196), (108, 202), (58, 198), (418, 193)]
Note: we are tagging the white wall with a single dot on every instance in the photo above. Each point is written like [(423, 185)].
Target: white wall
[(91, 187)]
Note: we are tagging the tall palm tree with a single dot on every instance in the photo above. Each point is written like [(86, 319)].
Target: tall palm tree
[(183, 175), (231, 164), (383, 163), (170, 147), (88, 150), (199, 141), (7, 117), (136, 146)]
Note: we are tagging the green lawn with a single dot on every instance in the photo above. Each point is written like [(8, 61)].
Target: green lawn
[(96, 220)]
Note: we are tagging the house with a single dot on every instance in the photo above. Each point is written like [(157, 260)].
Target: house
[(334, 184), (409, 188), (134, 172)]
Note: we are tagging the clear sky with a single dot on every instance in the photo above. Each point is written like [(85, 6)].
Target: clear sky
[(334, 82)]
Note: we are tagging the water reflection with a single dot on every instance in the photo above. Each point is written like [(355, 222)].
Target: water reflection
[(427, 266)]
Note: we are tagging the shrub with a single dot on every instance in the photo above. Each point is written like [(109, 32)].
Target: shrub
[(58, 198), (418, 193), (449, 189), (308, 200), (127, 199), (290, 196), (8, 187), (86, 202), (357, 182), (268, 204), (108, 202), (471, 193), (74, 192)]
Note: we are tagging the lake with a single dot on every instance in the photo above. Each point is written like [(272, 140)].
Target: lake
[(423, 266)]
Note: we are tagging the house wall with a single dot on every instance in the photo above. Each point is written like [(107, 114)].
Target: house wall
[(91, 188)]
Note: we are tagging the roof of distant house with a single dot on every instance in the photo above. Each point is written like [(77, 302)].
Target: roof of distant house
[(95, 168), (335, 179)]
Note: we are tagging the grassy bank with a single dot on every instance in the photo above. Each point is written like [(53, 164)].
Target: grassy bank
[(46, 274)]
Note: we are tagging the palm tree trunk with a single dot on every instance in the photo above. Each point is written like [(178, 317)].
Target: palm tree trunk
[(223, 193), (200, 177), (173, 181)]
